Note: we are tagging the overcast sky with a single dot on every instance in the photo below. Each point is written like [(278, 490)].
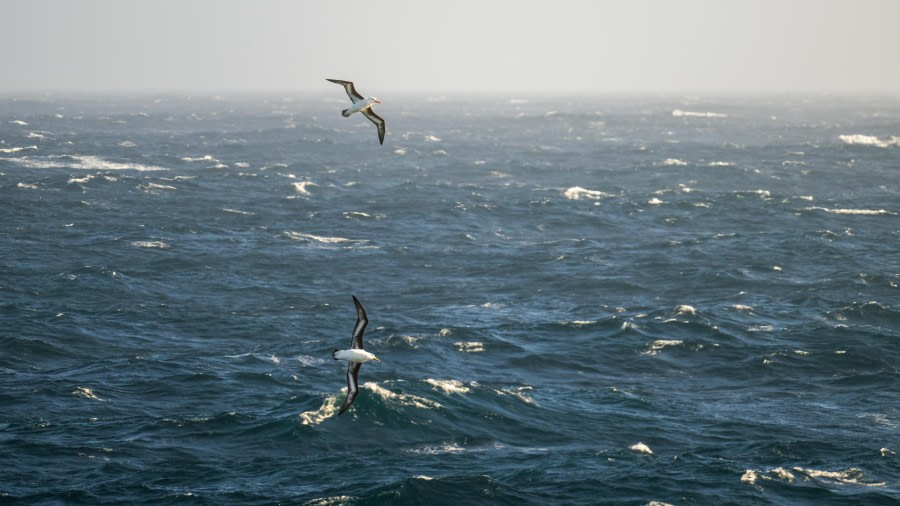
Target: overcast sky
[(591, 46)]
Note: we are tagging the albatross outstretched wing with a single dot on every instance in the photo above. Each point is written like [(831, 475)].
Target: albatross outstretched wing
[(349, 88), (369, 113), (361, 322), (352, 386)]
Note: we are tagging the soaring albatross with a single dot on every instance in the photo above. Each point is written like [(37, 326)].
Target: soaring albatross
[(356, 355), (363, 105)]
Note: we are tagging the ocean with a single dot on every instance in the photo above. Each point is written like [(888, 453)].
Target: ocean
[(617, 299)]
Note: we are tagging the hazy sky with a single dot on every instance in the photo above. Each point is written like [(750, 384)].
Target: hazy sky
[(460, 45)]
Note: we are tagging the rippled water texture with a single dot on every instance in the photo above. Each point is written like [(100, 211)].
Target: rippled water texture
[(575, 300)]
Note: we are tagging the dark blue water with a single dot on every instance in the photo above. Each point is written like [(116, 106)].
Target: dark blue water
[(614, 300)]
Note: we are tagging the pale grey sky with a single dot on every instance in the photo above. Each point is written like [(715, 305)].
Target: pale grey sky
[(589, 46)]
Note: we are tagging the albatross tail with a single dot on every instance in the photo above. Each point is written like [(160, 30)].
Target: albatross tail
[(346, 113)]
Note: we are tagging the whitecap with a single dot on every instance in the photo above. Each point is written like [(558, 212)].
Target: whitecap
[(686, 309), (655, 202), (519, 393), (150, 244), (318, 238), (127, 144), (678, 113), (852, 476), (578, 193), (431, 138), (18, 122), (870, 140), (750, 476), (438, 450), (87, 393), (720, 164), (157, 186), (469, 346), (674, 161), (641, 448), (236, 211), (325, 411), (27, 186), (80, 162), (400, 399), (301, 187), (857, 212), (331, 501), (17, 149), (656, 346), (448, 386), (205, 158)]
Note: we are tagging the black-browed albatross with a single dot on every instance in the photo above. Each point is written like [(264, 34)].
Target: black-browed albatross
[(363, 105), (356, 355)]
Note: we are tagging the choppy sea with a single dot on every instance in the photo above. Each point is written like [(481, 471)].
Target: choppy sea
[(575, 300)]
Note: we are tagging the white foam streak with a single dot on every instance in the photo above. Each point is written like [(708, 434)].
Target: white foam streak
[(657, 346), (401, 399), (318, 238), (150, 244), (578, 193), (852, 476), (870, 140), (469, 346), (448, 386), (858, 212), (78, 162), (87, 393), (678, 113), (16, 150)]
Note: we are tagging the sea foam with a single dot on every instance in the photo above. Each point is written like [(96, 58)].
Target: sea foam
[(870, 140)]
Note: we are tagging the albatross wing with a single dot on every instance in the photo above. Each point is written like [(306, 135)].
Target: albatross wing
[(352, 385), (356, 340), (349, 88), (369, 113)]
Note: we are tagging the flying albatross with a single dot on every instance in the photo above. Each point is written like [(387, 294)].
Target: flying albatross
[(356, 355), (363, 105)]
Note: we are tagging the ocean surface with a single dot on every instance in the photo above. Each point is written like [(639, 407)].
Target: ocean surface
[(575, 300)]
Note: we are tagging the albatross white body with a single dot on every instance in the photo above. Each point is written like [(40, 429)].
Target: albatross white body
[(354, 355), (360, 106)]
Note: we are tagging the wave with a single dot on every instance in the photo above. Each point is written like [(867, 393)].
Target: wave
[(382, 395), (79, 162), (870, 140), (678, 113)]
